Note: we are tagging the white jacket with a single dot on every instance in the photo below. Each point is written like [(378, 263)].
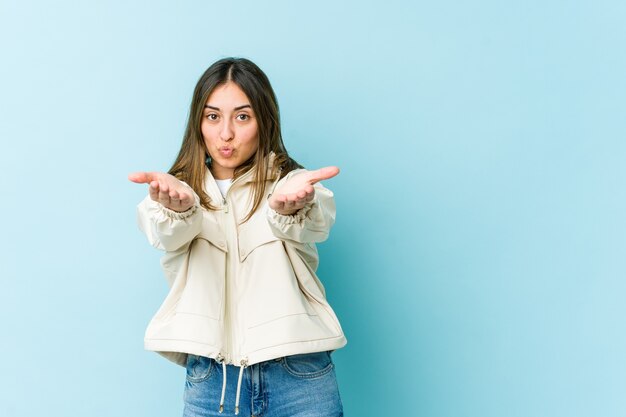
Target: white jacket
[(246, 293)]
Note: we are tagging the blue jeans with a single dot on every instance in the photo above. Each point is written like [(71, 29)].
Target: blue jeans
[(293, 386)]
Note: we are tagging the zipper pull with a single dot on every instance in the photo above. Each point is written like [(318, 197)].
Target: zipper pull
[(225, 204)]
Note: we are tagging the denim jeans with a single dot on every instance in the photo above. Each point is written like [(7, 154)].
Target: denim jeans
[(292, 386)]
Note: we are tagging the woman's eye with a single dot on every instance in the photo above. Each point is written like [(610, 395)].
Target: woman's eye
[(212, 116), (243, 117)]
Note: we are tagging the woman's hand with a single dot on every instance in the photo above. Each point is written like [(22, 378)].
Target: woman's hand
[(298, 190), (166, 189)]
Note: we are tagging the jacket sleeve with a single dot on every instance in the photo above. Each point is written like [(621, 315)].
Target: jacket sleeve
[(167, 229), (311, 223)]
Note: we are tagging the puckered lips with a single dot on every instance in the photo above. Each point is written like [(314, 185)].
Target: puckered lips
[(226, 151)]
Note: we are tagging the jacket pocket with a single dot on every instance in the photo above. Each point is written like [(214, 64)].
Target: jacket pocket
[(272, 292), (212, 232), (254, 233)]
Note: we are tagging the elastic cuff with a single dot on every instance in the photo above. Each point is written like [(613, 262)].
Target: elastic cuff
[(295, 218), (178, 215)]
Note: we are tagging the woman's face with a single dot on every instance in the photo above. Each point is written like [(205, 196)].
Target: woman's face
[(229, 129)]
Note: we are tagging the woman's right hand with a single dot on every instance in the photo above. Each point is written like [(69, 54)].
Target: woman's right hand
[(166, 189)]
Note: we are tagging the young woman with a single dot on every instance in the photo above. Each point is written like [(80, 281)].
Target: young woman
[(238, 220)]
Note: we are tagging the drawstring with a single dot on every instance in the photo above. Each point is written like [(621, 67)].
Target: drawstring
[(220, 359), (223, 386), (244, 365)]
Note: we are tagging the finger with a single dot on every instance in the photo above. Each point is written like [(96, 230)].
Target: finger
[(297, 205), (274, 202), (164, 196), (296, 201), (306, 195), (153, 189), (142, 177), (185, 199), (323, 174), (175, 202), (290, 203), (277, 205)]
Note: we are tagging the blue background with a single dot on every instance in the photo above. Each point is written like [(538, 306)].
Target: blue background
[(477, 264)]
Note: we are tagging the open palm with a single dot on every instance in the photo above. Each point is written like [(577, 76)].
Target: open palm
[(166, 189), (298, 190)]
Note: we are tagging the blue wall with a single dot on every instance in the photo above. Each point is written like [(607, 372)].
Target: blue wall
[(477, 264)]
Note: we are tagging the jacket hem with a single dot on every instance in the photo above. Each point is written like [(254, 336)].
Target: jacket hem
[(296, 348), (177, 350)]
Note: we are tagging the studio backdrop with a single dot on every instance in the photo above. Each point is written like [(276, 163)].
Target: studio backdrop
[(477, 261)]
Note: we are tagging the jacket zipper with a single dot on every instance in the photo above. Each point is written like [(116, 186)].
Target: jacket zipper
[(229, 325), (230, 355)]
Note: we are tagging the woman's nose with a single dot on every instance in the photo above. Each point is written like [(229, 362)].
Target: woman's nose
[(226, 132)]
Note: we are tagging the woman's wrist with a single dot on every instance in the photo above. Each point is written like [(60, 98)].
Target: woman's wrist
[(287, 213)]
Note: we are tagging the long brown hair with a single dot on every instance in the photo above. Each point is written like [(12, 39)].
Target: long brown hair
[(190, 166)]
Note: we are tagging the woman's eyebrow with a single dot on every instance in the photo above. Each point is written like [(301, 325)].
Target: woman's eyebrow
[(236, 108)]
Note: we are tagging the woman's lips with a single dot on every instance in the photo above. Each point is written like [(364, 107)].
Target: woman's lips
[(226, 152)]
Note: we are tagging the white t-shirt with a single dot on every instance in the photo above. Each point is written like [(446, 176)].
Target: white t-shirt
[(224, 185)]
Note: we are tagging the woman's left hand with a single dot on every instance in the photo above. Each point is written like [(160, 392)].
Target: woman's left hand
[(298, 190)]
